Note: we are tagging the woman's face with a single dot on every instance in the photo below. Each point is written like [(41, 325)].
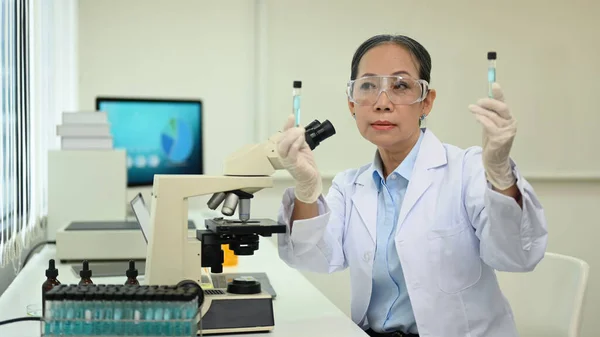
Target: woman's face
[(382, 122)]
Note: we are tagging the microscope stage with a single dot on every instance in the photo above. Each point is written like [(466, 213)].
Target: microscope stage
[(262, 227)]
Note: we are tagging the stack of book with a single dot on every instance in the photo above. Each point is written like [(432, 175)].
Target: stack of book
[(85, 130)]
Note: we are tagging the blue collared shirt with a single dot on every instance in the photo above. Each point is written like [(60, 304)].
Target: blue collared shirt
[(390, 308)]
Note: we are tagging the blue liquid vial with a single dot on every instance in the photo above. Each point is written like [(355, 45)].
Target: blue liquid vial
[(296, 92), (491, 56)]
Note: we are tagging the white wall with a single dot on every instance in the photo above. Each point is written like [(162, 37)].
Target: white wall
[(174, 49), (208, 49)]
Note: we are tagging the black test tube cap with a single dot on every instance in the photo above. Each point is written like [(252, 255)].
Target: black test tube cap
[(491, 55), (297, 84)]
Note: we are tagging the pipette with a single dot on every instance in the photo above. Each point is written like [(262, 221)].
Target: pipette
[(296, 97), (491, 56)]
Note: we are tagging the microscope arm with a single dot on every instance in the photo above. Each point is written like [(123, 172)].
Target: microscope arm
[(262, 159), (255, 159)]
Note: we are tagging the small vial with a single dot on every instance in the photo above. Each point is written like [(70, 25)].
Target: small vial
[(51, 281), (177, 312), (157, 325), (118, 306), (85, 274), (109, 299), (148, 313), (99, 306), (491, 56), (69, 310), (296, 94), (58, 311), (77, 324), (169, 329), (132, 274), (138, 312), (48, 315)]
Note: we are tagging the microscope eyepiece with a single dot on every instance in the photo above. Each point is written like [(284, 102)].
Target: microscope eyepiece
[(312, 125), (316, 135)]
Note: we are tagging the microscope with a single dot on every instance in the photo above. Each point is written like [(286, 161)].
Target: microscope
[(173, 257)]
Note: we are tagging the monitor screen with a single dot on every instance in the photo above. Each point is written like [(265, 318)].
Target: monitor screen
[(160, 136)]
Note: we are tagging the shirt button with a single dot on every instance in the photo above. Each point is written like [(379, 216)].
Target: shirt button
[(393, 177), (367, 257)]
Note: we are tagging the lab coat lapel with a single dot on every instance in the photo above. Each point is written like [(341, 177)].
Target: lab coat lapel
[(365, 201), (432, 154)]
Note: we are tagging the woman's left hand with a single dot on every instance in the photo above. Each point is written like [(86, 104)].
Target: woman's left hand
[(499, 130)]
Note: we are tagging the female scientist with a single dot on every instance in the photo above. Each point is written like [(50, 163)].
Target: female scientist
[(424, 226)]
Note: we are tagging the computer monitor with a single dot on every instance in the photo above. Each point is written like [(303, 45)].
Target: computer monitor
[(160, 136)]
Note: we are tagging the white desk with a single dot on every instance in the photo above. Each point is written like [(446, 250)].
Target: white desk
[(300, 308)]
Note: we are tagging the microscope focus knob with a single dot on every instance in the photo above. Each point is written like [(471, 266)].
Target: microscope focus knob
[(244, 285)]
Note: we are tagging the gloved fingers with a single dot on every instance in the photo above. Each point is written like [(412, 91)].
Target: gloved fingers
[(497, 92), (295, 148), (289, 123), (496, 106), (289, 137), (497, 121), (485, 121)]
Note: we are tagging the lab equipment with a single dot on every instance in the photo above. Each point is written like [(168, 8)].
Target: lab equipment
[(491, 56), (222, 280), (86, 274), (51, 278), (296, 94), (132, 274), (121, 310), (87, 240), (174, 257), (78, 191), (170, 141)]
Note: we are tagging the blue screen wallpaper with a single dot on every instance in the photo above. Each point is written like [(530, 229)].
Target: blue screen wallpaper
[(159, 137)]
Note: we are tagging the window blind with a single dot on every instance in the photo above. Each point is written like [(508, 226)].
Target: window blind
[(21, 148)]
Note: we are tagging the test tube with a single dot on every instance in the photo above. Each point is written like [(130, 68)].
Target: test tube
[(138, 313), (67, 327), (158, 313), (118, 306), (88, 309), (491, 56), (296, 98), (99, 315), (49, 310), (178, 316), (149, 313)]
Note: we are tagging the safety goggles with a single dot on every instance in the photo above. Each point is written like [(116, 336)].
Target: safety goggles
[(400, 90)]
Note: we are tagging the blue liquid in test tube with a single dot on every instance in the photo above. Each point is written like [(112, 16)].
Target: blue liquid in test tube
[(491, 56), (296, 95)]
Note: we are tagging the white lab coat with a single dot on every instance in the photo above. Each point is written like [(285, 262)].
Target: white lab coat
[(453, 232)]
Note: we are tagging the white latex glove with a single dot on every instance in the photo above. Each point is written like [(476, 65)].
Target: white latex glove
[(499, 130), (297, 158)]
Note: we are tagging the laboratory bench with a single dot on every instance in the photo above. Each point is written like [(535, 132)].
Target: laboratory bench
[(300, 309)]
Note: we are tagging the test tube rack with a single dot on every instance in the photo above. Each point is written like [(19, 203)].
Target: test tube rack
[(121, 310)]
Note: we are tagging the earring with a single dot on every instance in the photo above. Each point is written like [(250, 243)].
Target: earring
[(354, 116), (422, 117)]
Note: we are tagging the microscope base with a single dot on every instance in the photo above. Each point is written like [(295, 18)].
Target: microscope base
[(234, 313)]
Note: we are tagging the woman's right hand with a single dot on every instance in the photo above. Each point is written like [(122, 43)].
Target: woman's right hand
[(297, 158)]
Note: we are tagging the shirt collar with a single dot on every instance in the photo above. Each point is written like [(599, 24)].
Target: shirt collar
[(404, 169)]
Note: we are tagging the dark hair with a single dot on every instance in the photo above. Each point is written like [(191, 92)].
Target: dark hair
[(415, 48)]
